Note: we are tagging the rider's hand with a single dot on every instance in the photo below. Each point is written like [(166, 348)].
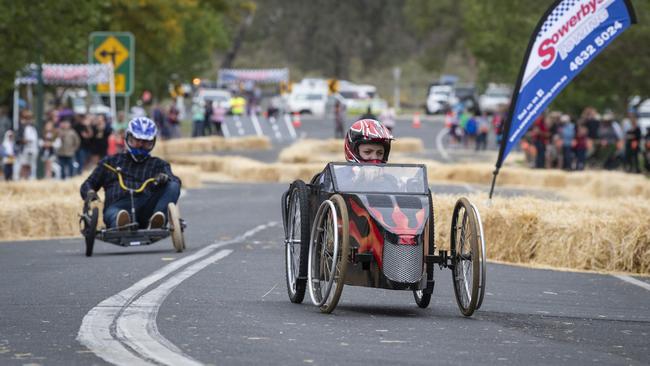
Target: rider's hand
[(162, 179), (91, 195)]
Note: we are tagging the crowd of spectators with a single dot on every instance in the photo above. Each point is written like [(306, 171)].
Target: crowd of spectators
[(70, 143), (561, 141)]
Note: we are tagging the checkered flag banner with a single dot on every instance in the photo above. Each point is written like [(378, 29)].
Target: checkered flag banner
[(570, 35)]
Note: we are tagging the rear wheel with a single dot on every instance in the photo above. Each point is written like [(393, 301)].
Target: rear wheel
[(328, 253), (466, 257), (175, 227), (297, 241)]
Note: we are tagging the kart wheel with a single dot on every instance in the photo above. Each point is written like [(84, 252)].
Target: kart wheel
[(466, 257), (89, 229), (482, 258), (297, 241), (328, 253), (421, 298), (174, 219)]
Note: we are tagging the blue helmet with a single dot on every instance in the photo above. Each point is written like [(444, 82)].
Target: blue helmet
[(141, 128)]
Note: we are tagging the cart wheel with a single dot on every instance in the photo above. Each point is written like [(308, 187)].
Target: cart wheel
[(89, 229), (466, 257), (297, 241), (421, 298), (328, 253), (482, 258), (175, 227)]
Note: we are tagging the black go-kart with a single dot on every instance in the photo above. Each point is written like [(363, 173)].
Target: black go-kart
[(130, 235), (373, 226)]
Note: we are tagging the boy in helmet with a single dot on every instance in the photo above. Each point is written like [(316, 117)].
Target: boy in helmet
[(136, 166)]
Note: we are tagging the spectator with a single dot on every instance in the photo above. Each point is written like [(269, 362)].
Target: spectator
[(646, 152), (217, 117), (198, 117), (539, 137), (47, 142), (607, 149), (158, 117), (632, 145), (207, 118), (568, 134), (101, 132), (581, 146), (27, 142), (339, 119), (8, 154), (173, 120), (471, 129), (5, 122), (483, 129), (69, 144)]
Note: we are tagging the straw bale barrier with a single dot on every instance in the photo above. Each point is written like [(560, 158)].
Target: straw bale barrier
[(210, 144), (608, 235), (47, 208)]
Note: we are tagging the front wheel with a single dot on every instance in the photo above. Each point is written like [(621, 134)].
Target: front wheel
[(466, 257), (174, 219), (421, 298), (328, 253)]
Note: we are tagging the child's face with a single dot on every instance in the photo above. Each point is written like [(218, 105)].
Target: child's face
[(371, 152)]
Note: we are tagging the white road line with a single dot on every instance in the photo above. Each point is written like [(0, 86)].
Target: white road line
[(256, 124), (439, 145), (101, 328), (136, 326), (225, 130), (633, 281), (292, 131)]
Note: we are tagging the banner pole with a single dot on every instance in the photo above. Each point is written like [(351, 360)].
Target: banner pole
[(494, 180)]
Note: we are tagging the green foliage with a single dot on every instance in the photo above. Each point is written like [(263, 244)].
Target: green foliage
[(172, 36)]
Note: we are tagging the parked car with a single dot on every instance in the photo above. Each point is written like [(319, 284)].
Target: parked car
[(468, 96), (440, 99), (221, 96), (307, 100), (495, 96)]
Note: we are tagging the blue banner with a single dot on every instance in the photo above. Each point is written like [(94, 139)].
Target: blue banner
[(569, 36)]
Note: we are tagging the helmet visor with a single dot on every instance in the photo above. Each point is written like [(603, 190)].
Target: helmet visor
[(139, 144)]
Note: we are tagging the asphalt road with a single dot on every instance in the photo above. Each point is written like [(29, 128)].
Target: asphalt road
[(224, 302)]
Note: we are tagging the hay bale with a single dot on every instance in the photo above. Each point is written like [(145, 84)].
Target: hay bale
[(190, 175), (607, 235), (209, 144)]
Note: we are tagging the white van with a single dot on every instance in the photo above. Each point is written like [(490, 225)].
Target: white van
[(307, 99)]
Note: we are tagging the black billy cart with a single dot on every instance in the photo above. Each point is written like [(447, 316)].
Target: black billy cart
[(130, 235), (373, 225)]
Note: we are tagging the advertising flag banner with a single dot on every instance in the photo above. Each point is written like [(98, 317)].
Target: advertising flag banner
[(568, 37)]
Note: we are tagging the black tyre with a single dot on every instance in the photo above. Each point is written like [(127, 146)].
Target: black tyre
[(89, 229), (466, 256), (329, 251), (296, 240), (174, 222), (421, 298)]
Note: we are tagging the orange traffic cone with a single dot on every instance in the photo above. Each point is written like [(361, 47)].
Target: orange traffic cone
[(416, 120), (296, 120), (449, 116)]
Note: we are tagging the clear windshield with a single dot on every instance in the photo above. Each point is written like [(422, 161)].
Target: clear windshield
[(380, 178)]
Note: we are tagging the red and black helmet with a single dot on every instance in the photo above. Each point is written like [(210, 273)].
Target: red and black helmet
[(366, 131)]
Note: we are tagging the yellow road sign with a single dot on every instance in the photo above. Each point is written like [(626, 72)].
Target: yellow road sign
[(112, 50), (120, 85)]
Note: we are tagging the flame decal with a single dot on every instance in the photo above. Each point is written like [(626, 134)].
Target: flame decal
[(373, 241)]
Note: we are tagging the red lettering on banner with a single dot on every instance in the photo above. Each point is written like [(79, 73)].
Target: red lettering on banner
[(546, 49)]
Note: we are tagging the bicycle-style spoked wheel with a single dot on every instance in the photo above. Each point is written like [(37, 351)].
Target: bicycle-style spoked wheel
[(328, 253), (88, 224), (465, 256), (482, 257), (297, 241)]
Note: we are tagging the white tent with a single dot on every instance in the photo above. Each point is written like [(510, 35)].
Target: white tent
[(66, 74)]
